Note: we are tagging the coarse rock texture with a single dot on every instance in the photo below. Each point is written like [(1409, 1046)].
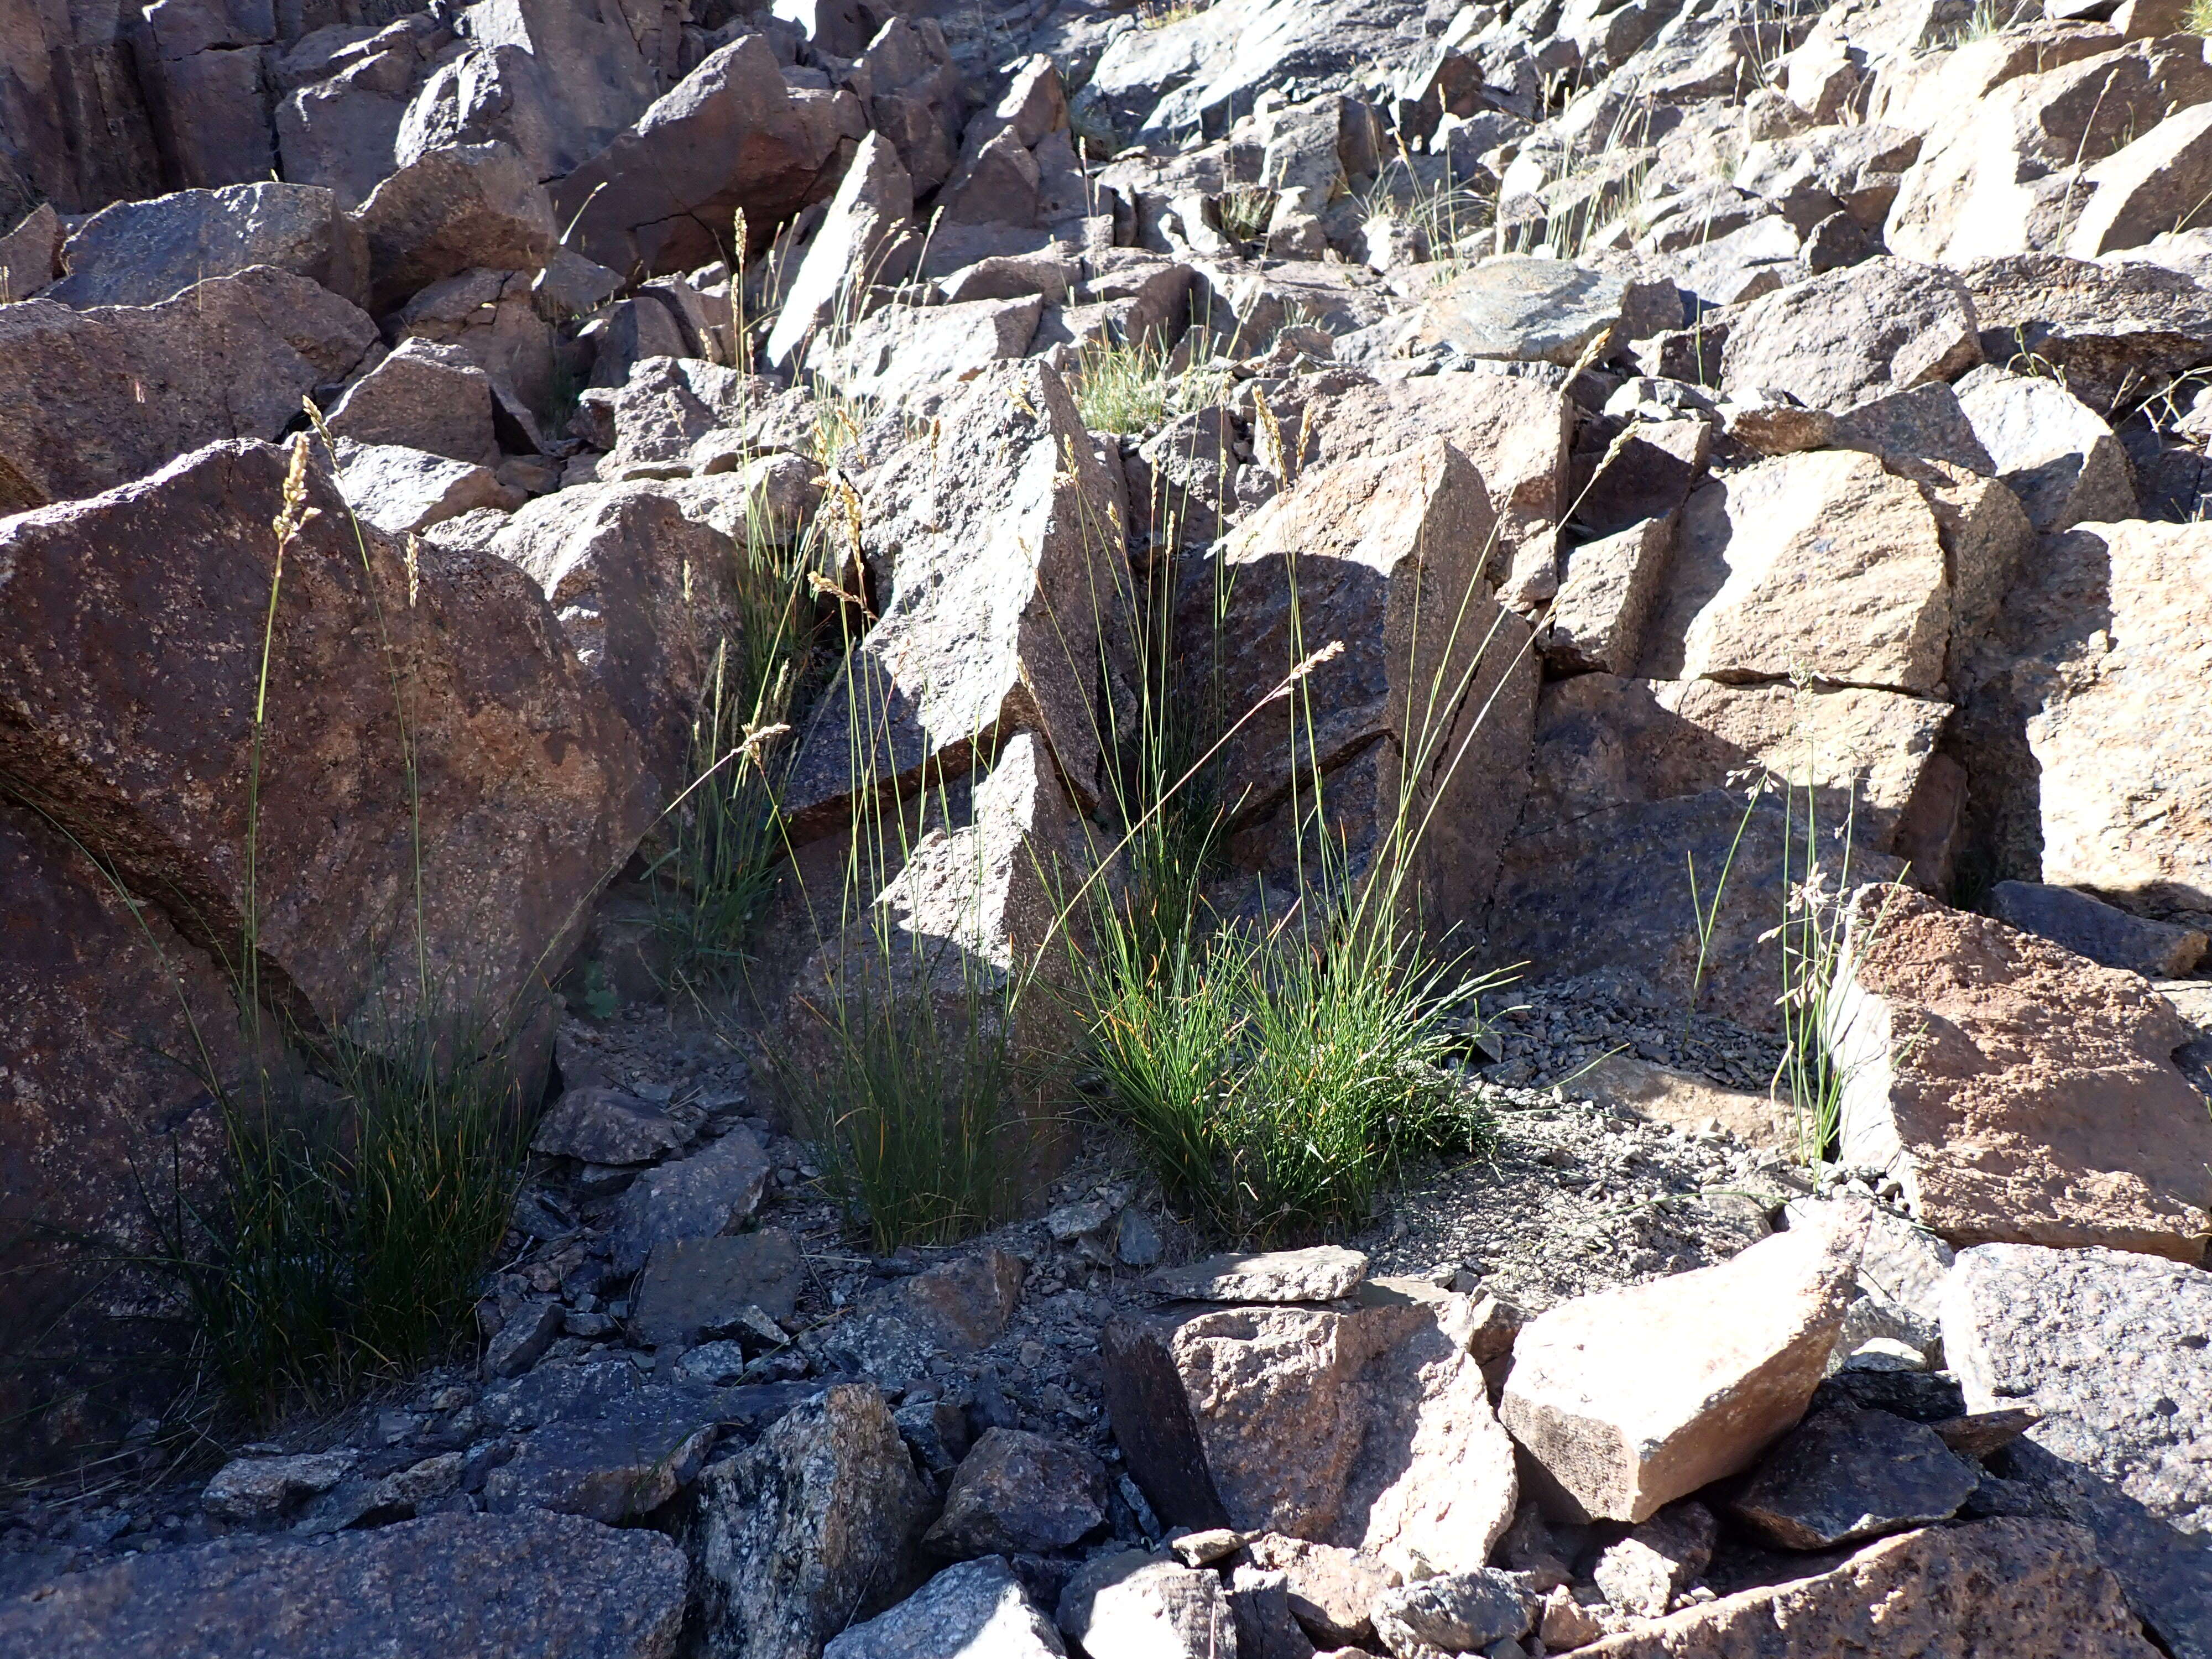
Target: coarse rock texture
[(1321, 1273), (2014, 1091), (1845, 1475), (1130, 1606), (977, 1608), (140, 253), (1630, 1399), (1836, 340)]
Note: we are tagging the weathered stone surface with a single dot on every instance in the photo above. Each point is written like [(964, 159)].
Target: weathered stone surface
[(1332, 1589), (2158, 184), (548, 1585), (2029, 1589), (1646, 471), (92, 399), (524, 1339), (1691, 1102), (1645, 1571), (2016, 1092), (2090, 927), (994, 548), (1451, 1613), (729, 135), (955, 1308), (701, 1196), (1522, 309), (698, 1287), (904, 351), (139, 254), (1846, 1474), (600, 1125), (1133, 1606), (857, 246), (2107, 1347), (1369, 1428), (977, 1610), (399, 490), (261, 1488), (2108, 330), (425, 395), (1017, 1492), (30, 254), (1321, 1273), (2048, 447), (1835, 522), (145, 609), (1631, 1398), (464, 207), (615, 1464), (1832, 341), (665, 407), (1260, 1601), (807, 1531), (1606, 597)]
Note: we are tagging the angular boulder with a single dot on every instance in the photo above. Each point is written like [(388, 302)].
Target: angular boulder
[(460, 208), (977, 1607), (1846, 1474), (1629, 1399), (2107, 330), (1133, 1606), (398, 491), (701, 1196), (956, 1308), (2158, 184), (1522, 309), (1321, 1273), (857, 246), (140, 253), (2015, 1090), (2103, 933), (2048, 447), (905, 351), (1887, 324), (1020, 1493)]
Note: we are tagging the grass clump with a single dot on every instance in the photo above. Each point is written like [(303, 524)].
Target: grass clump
[(1246, 212), (1139, 385), (2199, 20)]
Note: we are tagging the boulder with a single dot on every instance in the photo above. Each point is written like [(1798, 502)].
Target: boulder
[(147, 609), (1835, 522), (1833, 340), (491, 317), (399, 491), (916, 98), (1322, 1273), (695, 1288), (1020, 1493), (667, 406), (30, 254), (90, 399), (1607, 589), (617, 1463), (2090, 927), (808, 1531), (1846, 1474), (261, 1488), (1522, 309), (140, 253), (1133, 1606), (595, 1124), (1452, 1613), (1628, 1399), (1643, 1572), (424, 397), (2048, 447), (2156, 185), (958, 1307), (2015, 1090), (1332, 1591), (907, 351), (1646, 471), (1366, 1428), (703, 1196), (996, 542), (2105, 1346), (731, 136), (860, 244), (977, 1608), (1260, 1602), (464, 207), (2108, 331), (2028, 1589)]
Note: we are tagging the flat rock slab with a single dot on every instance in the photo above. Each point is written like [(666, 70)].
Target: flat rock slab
[(2016, 1092), (139, 254), (1524, 309), (956, 1308), (1322, 1273), (698, 1287), (1847, 1474), (548, 1585), (2103, 933), (615, 1464), (2027, 1590), (978, 1608), (1631, 1398), (601, 1124)]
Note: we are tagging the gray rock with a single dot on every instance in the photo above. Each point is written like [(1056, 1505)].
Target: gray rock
[(423, 396), (1452, 1613), (553, 1392), (465, 207), (401, 490), (1846, 1475), (1332, 1590), (548, 1585), (1020, 1493), (701, 1196), (30, 254), (935, 1431), (616, 1464), (1324, 1273), (906, 352), (861, 242), (1921, 423), (1524, 309), (1831, 341), (1260, 1601), (665, 407), (809, 1530), (1606, 596), (2055, 452), (139, 254), (1133, 1606), (261, 1488), (701, 1287), (600, 1125), (1646, 1570), (2110, 1348), (2108, 330), (1137, 1241), (521, 1342), (956, 1308), (976, 1610), (2098, 931)]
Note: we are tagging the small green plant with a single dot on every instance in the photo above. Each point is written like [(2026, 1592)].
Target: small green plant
[(1160, 13), (1245, 211), (2199, 20), (1137, 386)]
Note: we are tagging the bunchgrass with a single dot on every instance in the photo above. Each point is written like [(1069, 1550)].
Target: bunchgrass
[(1136, 387), (2199, 20), (1245, 211)]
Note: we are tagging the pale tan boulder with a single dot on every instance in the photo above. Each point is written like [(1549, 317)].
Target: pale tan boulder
[(2016, 1092), (1629, 1399), (2160, 183)]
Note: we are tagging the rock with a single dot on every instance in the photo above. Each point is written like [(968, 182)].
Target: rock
[(261, 1488), (140, 253), (1323, 1273), (2105, 1346), (616, 1464), (1260, 1601), (2090, 927), (523, 1340), (2029, 1589), (1452, 1613), (1206, 1547), (1646, 1570), (595, 1124), (425, 396), (1836, 522), (533, 800), (809, 1530), (860, 244), (1137, 1241), (1769, 422), (703, 1196), (1020, 1493), (90, 399), (730, 135), (2012, 1089), (1606, 597), (1979, 1434), (956, 1308), (2055, 454), (1132, 1605), (935, 1431), (1846, 1475), (1647, 471), (464, 207), (2157, 184), (1922, 423), (697, 1287), (667, 408), (400, 491), (1522, 309), (977, 1609), (1012, 473), (1690, 1102), (30, 253), (904, 351), (1626, 1412), (1332, 1590), (2106, 329), (1831, 341), (1219, 1415), (547, 1585)]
